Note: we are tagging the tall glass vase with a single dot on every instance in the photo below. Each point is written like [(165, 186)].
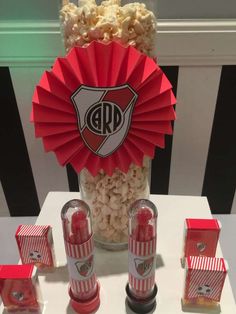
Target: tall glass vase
[(110, 197)]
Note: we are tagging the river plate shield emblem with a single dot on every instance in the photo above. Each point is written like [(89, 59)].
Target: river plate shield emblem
[(104, 116)]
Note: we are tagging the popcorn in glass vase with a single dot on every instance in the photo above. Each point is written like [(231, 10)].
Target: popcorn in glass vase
[(105, 107)]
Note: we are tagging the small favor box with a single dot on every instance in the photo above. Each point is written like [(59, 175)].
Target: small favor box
[(204, 281), (201, 237), (19, 288), (35, 245)]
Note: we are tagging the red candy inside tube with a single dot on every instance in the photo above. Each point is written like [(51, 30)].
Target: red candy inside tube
[(76, 222), (142, 248)]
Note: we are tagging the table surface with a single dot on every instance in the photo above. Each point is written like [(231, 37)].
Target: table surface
[(111, 267)]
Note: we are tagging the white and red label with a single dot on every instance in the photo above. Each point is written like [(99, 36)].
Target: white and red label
[(141, 267), (142, 264), (80, 261), (104, 116), (80, 269)]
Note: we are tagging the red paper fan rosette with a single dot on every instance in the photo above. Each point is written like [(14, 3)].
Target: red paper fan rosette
[(103, 107)]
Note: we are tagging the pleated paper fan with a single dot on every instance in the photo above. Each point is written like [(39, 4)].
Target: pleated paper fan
[(104, 106)]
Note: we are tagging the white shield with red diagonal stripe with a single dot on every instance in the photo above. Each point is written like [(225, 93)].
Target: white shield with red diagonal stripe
[(85, 268), (104, 116), (144, 266)]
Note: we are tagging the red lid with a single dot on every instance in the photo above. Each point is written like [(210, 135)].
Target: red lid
[(86, 307), (207, 224), (25, 271)]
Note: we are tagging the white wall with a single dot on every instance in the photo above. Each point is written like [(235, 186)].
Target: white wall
[(165, 9), (192, 9), (198, 49), (29, 9)]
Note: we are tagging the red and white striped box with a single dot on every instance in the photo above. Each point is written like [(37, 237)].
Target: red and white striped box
[(205, 277), (19, 288), (35, 245), (201, 237)]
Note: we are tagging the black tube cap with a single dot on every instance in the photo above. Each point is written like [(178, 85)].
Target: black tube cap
[(141, 306)]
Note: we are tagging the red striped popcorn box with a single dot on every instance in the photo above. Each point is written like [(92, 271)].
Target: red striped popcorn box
[(204, 281), (35, 245), (201, 237), (19, 288)]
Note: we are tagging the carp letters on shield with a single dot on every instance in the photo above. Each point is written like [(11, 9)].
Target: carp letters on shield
[(104, 116)]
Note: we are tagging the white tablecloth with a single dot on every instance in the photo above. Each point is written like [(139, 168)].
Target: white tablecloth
[(112, 267)]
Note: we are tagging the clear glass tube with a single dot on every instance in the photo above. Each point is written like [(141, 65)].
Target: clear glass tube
[(142, 248), (77, 231)]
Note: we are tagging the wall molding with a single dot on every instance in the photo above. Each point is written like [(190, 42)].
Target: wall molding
[(179, 42), (196, 42)]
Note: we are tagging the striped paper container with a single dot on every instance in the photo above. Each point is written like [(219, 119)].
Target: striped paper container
[(205, 278), (35, 245), (142, 257), (201, 237), (80, 261)]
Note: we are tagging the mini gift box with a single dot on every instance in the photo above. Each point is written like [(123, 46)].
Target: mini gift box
[(204, 281), (200, 237), (19, 288), (35, 245)]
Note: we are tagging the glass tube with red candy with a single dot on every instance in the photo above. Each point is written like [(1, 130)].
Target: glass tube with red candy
[(79, 246), (141, 288)]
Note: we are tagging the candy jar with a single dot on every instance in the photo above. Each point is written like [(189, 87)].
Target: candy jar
[(105, 116), (117, 109), (110, 198), (141, 288), (78, 238)]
